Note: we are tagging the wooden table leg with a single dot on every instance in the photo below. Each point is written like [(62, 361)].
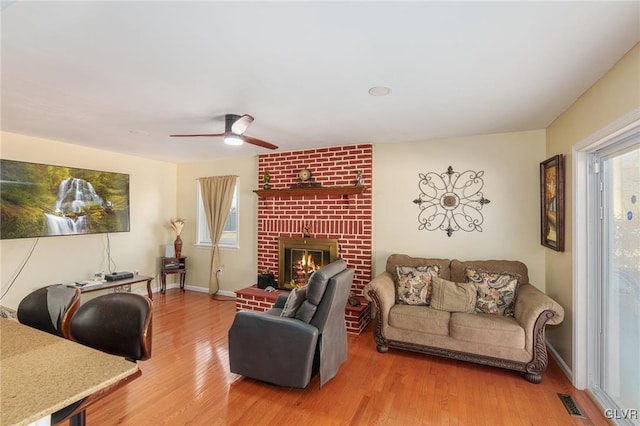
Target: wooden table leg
[(149, 289)]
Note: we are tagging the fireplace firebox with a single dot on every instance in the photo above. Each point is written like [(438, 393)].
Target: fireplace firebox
[(298, 258)]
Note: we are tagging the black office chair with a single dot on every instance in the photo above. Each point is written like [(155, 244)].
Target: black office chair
[(50, 309), (118, 324)]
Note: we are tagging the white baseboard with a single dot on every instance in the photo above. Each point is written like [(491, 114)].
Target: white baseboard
[(204, 290), (226, 293), (194, 288), (563, 365), (186, 287)]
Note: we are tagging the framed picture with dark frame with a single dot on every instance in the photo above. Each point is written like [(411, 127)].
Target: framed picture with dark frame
[(552, 203)]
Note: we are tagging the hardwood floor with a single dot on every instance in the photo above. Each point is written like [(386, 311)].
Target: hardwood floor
[(187, 382)]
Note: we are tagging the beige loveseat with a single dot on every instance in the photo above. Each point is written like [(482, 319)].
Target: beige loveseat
[(513, 342)]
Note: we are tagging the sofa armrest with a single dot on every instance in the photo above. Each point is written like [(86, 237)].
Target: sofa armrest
[(385, 291), (531, 303)]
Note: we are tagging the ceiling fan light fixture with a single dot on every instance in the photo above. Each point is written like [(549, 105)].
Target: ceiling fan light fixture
[(234, 128), (233, 139)]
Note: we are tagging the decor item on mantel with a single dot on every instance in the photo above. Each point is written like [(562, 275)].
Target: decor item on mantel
[(267, 179), (451, 201), (552, 202), (176, 226), (305, 180)]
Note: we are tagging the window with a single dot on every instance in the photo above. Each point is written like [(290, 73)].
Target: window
[(229, 235)]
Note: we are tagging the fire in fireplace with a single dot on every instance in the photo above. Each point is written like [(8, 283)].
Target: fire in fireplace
[(298, 258)]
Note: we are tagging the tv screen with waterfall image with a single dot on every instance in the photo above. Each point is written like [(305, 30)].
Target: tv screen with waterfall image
[(39, 200)]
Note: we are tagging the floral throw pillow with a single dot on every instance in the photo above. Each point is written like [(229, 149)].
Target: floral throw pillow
[(496, 291), (413, 284)]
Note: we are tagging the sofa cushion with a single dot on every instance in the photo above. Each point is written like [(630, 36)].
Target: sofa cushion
[(487, 329), (496, 291), (458, 267), (295, 299), (453, 297), (420, 318), (404, 260), (413, 284)]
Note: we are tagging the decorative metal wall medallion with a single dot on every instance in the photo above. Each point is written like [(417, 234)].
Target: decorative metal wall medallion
[(451, 201)]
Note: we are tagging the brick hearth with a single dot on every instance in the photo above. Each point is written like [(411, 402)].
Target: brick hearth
[(347, 218)]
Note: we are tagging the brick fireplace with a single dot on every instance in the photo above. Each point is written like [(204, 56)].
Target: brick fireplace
[(345, 217)]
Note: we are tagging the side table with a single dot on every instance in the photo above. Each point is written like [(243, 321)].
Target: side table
[(172, 265)]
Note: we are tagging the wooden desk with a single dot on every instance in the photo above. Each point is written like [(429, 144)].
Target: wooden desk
[(86, 288), (172, 265), (42, 373)]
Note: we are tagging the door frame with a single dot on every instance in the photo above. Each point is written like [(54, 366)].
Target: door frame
[(583, 243)]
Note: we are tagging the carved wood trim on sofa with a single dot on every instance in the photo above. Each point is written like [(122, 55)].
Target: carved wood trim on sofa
[(533, 369)]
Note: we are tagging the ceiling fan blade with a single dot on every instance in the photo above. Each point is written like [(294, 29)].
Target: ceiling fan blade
[(242, 124), (191, 136), (258, 142)]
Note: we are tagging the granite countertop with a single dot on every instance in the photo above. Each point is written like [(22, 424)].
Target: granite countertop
[(41, 373)]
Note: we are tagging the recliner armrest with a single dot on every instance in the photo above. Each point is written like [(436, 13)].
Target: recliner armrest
[(281, 300), (262, 324)]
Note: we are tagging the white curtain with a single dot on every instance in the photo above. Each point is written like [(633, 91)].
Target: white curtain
[(217, 195)]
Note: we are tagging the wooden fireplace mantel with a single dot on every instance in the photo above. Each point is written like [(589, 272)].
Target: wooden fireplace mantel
[(331, 190)]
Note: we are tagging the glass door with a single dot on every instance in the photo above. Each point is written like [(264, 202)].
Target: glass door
[(617, 381)]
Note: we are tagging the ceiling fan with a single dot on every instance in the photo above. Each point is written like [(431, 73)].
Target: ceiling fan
[(234, 128)]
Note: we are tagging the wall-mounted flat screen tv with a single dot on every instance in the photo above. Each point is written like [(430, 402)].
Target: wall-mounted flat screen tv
[(39, 200)]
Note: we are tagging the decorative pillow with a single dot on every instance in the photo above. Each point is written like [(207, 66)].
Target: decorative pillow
[(306, 311), (413, 284), (294, 301), (496, 290), (453, 297)]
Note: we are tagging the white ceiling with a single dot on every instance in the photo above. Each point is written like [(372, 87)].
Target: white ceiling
[(89, 73)]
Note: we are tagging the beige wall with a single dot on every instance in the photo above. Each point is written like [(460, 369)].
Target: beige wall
[(511, 226), (152, 187), (239, 267), (614, 95), (510, 162)]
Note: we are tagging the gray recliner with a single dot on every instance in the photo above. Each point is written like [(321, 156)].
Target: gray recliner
[(289, 351)]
